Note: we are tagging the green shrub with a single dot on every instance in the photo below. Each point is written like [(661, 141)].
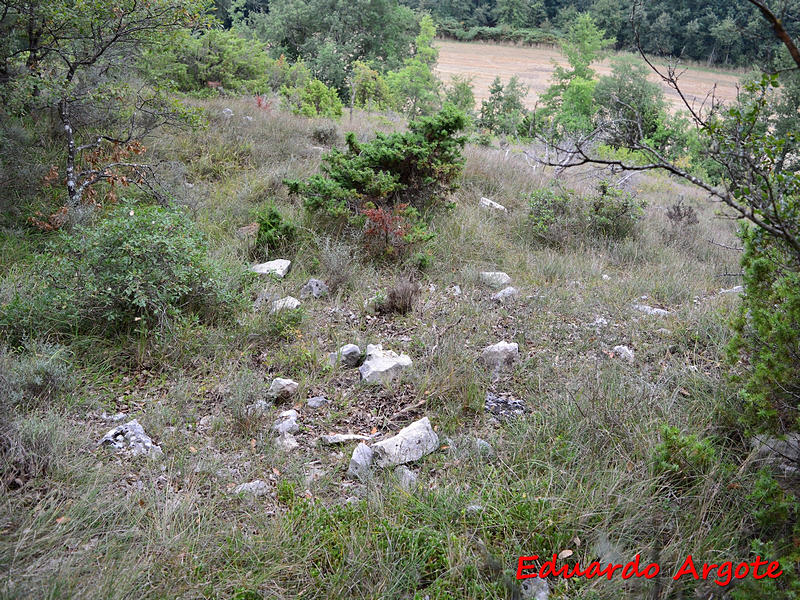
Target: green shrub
[(613, 213), (552, 217), (313, 99), (504, 110), (274, 232), (39, 372), (391, 181), (768, 334), (138, 268), (683, 459)]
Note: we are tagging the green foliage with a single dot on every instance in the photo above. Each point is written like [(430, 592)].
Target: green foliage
[(139, 268), (415, 88), (390, 176), (274, 232), (369, 88), (460, 94), (551, 217), (504, 111), (314, 99), (213, 59), (683, 459), (633, 104), (37, 373), (613, 213)]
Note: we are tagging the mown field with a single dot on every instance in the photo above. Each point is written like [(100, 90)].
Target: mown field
[(534, 66)]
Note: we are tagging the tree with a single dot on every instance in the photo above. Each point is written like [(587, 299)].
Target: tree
[(77, 59), (415, 87)]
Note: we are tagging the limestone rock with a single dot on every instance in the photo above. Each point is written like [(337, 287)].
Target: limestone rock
[(534, 589), (286, 442), (382, 365), (315, 288), (406, 478), (411, 443), (341, 438), (288, 303), (503, 406), (493, 206), (348, 355), (360, 463), (286, 423), (649, 310), (282, 389), (495, 279), (506, 294), (624, 352), (782, 455), (254, 488), (318, 402), (500, 355), (131, 439), (257, 409), (279, 268)]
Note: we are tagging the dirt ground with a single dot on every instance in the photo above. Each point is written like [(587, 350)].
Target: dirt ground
[(534, 66)]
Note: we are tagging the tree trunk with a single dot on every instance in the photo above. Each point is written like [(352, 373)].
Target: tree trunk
[(72, 184)]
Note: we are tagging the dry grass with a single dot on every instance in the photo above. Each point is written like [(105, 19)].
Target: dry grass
[(578, 465)]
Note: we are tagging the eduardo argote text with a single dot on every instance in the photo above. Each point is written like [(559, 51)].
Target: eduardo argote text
[(529, 567)]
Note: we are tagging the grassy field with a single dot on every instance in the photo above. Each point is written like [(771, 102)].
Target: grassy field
[(577, 472), (534, 67)]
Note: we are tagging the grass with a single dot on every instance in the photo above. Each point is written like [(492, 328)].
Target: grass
[(578, 472)]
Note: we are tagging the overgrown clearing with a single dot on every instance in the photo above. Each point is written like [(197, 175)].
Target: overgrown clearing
[(534, 66), (580, 471)]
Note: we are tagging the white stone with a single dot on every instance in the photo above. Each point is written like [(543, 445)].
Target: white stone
[(341, 438), (411, 443), (258, 409), (288, 303), (781, 455), (315, 288), (286, 423), (495, 279), (286, 442), (649, 310), (406, 478), (254, 488), (360, 462), (281, 389), (624, 352), (734, 290), (492, 205), (381, 365), (131, 439), (317, 402), (348, 355), (599, 322), (505, 294), (534, 589), (279, 268), (501, 354), (455, 290), (227, 112)]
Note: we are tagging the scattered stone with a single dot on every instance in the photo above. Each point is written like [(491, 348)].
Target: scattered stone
[(599, 322), (500, 355), (734, 290), (286, 423), (115, 418), (264, 297), (227, 112), (664, 332), (492, 205), (341, 438), (254, 488), (606, 277), (455, 290), (534, 589), (473, 510), (624, 352), (508, 293), (782, 455), (247, 118), (411, 443), (248, 231), (286, 442), (483, 447), (257, 409), (406, 478), (348, 355), (504, 406), (205, 422), (315, 288), (382, 365), (360, 463), (282, 389), (649, 310), (288, 303), (495, 279), (131, 439), (318, 402), (279, 268)]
